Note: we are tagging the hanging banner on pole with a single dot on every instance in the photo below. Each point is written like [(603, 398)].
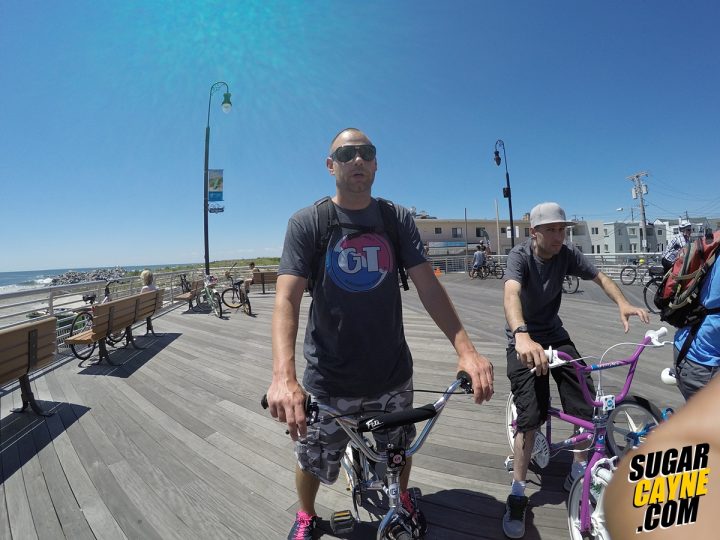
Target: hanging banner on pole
[(215, 185)]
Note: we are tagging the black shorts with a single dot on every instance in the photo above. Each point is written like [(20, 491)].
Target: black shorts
[(532, 393)]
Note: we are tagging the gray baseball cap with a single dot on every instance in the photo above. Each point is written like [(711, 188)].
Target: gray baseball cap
[(548, 212)]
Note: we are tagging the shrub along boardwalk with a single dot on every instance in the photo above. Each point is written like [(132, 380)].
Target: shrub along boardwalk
[(174, 444)]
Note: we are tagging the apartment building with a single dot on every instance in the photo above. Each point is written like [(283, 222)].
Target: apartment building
[(444, 236), (450, 235)]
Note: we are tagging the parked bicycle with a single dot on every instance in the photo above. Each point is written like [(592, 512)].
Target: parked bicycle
[(570, 284), (490, 268), (361, 458), (83, 321), (235, 296), (621, 422), (639, 271), (480, 273), (494, 268), (651, 287), (211, 297)]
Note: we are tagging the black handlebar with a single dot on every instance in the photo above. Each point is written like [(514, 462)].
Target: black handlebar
[(388, 420)]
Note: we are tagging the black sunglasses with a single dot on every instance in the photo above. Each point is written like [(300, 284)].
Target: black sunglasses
[(343, 154)]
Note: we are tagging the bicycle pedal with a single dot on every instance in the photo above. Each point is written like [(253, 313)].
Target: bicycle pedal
[(509, 464), (342, 522)]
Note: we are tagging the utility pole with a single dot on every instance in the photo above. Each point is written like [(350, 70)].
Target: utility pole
[(638, 190)]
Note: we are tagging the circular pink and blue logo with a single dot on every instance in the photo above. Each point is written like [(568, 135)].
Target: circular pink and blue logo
[(360, 263)]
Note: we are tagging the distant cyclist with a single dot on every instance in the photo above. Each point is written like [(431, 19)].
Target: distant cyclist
[(675, 244)]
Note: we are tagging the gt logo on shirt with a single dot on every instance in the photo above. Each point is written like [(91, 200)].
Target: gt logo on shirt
[(359, 263)]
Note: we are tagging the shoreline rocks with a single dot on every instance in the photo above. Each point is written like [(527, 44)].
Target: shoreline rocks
[(98, 274)]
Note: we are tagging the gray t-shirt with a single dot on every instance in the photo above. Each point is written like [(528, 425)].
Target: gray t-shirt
[(354, 342), (541, 287)]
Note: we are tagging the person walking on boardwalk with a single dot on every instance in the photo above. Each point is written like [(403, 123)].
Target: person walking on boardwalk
[(478, 261), (532, 295), (355, 348)]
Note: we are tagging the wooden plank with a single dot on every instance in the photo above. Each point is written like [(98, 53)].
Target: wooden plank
[(16, 499), (94, 507), (4, 517), (44, 517), (64, 503)]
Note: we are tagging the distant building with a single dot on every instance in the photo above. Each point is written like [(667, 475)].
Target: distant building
[(444, 236), (451, 235)]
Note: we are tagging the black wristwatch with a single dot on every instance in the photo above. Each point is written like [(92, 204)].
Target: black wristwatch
[(521, 328)]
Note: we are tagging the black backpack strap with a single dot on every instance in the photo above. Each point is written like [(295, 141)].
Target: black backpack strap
[(390, 223), (327, 221), (693, 332)]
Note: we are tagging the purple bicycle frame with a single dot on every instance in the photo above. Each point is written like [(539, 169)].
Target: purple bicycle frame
[(599, 448)]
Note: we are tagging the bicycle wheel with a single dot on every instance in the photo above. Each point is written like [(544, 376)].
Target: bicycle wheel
[(628, 275), (510, 419), (216, 303), (597, 521), (499, 271), (246, 303), (570, 284), (82, 322), (115, 337), (649, 292), (231, 298), (630, 423)]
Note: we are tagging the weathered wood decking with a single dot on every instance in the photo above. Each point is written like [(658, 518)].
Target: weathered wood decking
[(174, 444)]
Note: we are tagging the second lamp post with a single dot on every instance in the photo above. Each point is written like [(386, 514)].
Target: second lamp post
[(226, 106)]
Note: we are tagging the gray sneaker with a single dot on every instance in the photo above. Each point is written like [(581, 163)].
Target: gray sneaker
[(514, 518)]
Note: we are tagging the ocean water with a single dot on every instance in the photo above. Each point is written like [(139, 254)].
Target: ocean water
[(33, 279)]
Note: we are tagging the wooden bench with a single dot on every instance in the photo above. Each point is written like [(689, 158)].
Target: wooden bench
[(26, 348), (118, 316), (196, 288), (266, 277)]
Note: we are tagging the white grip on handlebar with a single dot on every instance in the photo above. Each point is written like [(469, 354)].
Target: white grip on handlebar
[(552, 356), (655, 336)]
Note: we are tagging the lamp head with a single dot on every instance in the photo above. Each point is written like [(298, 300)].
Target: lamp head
[(226, 104), (497, 158)]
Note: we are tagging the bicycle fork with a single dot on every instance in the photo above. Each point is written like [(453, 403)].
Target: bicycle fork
[(598, 474), (397, 517)]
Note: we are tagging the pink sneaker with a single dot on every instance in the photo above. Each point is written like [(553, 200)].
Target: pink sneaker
[(416, 516), (303, 527)]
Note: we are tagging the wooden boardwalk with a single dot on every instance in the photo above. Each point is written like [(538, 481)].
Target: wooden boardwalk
[(174, 444)]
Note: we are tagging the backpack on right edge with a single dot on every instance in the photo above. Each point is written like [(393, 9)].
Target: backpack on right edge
[(678, 296)]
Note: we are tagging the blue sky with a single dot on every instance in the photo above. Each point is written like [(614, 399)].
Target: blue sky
[(104, 107)]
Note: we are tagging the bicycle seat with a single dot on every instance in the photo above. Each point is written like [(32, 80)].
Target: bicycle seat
[(89, 298), (239, 282), (657, 271)]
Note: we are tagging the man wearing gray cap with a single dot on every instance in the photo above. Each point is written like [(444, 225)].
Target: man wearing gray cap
[(533, 291)]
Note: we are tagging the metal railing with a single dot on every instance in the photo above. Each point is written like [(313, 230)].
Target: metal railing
[(63, 301), (608, 263)]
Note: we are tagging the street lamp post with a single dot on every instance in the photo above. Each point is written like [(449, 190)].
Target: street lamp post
[(506, 190), (226, 106)]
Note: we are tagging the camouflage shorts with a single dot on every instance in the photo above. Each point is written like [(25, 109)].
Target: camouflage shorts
[(320, 453)]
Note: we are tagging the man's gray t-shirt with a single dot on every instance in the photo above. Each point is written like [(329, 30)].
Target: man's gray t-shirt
[(354, 341), (541, 287)]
